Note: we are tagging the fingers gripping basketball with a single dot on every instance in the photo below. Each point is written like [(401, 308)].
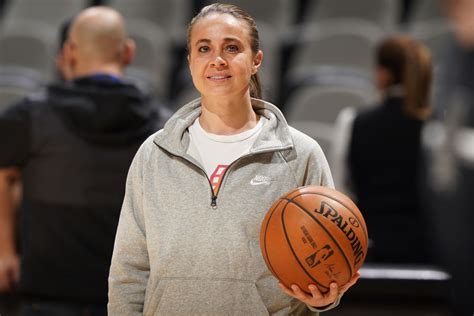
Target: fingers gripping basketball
[(314, 235)]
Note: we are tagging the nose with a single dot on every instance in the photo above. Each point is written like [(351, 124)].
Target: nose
[(218, 61)]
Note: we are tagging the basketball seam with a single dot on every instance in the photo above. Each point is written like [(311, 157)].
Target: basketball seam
[(265, 238), (329, 234), (292, 250)]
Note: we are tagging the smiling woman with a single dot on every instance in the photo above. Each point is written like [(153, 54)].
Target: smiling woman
[(197, 191), (220, 51), (224, 58)]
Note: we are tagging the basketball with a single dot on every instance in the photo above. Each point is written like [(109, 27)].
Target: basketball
[(313, 235)]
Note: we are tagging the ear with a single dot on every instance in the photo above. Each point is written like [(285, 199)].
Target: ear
[(188, 58), (257, 61), (69, 54), (63, 65), (60, 61), (68, 51), (67, 60), (129, 52)]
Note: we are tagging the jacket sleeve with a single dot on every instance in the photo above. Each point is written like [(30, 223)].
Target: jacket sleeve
[(316, 167), (313, 169), (15, 135), (130, 266), (317, 170), (319, 173), (316, 311)]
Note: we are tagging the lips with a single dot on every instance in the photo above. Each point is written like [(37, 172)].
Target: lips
[(218, 77)]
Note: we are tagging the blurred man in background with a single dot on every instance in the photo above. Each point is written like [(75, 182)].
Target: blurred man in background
[(70, 147)]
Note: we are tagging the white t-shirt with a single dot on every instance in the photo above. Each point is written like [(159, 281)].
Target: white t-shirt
[(217, 152)]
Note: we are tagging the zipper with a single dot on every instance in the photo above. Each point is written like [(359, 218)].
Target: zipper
[(215, 194), (214, 200)]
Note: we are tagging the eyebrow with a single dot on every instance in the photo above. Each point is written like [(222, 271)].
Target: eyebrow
[(226, 39)]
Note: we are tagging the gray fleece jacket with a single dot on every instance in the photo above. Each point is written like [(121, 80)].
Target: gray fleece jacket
[(180, 249)]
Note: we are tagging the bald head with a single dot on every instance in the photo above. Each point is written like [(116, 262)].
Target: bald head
[(99, 33)]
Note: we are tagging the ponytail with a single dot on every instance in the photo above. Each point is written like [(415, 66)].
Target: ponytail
[(409, 64), (255, 86)]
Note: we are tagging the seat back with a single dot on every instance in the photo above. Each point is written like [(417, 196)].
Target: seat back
[(384, 13)]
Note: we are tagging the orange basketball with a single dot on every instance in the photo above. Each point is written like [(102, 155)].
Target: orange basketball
[(314, 235)]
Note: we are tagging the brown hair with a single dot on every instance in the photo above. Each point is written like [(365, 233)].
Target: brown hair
[(238, 13), (409, 63)]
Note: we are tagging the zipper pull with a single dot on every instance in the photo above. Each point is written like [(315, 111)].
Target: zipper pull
[(214, 202)]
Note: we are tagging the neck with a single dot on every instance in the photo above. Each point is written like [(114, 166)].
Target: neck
[(88, 70), (227, 116)]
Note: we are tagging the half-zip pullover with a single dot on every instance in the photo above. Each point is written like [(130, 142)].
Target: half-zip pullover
[(174, 257)]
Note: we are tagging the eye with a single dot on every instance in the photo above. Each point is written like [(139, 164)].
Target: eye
[(232, 48), (203, 49)]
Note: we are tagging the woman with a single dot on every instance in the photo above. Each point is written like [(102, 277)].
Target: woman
[(383, 153), (197, 191)]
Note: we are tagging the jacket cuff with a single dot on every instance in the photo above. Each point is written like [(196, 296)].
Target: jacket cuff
[(326, 308)]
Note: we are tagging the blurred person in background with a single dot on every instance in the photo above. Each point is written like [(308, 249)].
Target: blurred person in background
[(378, 150), (448, 140), (70, 146), (9, 301)]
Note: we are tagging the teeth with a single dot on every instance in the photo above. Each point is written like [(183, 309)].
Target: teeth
[(217, 77)]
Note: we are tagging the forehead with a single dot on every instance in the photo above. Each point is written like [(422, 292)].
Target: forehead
[(217, 26)]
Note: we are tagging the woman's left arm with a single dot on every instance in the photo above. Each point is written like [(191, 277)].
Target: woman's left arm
[(316, 172)]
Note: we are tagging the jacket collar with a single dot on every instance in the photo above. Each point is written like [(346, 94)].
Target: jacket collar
[(275, 134)]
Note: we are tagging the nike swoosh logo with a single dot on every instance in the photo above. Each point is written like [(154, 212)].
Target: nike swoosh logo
[(257, 182)]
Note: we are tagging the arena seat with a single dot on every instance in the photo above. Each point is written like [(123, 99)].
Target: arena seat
[(277, 13), (18, 40), (17, 82), (314, 109), (51, 12), (384, 13), (171, 15), (151, 65), (328, 43)]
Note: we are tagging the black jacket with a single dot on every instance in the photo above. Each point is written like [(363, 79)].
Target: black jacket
[(74, 143), (384, 157)]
